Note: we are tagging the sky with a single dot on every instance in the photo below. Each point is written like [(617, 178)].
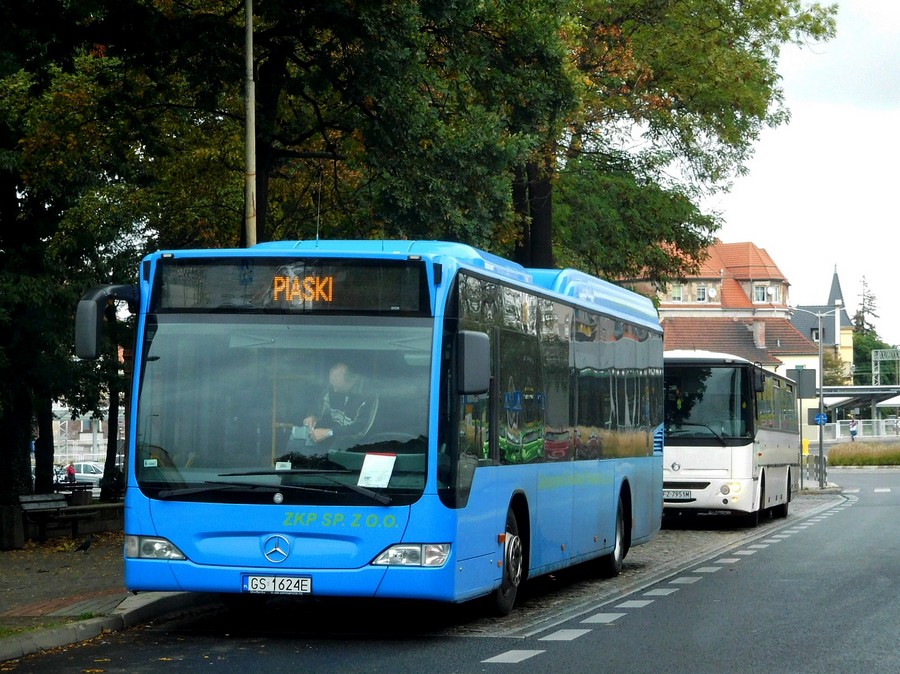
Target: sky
[(822, 191)]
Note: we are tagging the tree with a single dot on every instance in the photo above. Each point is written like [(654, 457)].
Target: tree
[(834, 372), (121, 129), (866, 340), (673, 96)]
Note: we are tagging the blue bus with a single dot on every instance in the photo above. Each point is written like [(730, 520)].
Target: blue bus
[(399, 419)]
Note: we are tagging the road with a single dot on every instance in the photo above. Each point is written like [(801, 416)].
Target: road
[(814, 593)]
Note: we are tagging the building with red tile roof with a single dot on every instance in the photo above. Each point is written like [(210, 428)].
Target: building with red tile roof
[(736, 303)]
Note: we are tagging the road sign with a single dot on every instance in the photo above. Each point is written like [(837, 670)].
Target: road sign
[(821, 419)]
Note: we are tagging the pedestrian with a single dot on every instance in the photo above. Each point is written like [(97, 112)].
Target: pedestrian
[(853, 429), (70, 472)]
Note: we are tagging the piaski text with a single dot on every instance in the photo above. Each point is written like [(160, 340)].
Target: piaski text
[(305, 289)]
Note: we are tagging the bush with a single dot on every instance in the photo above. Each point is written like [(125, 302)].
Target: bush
[(865, 454)]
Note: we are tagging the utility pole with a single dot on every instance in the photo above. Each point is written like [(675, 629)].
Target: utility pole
[(250, 130)]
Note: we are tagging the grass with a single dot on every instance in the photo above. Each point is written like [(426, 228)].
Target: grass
[(865, 454)]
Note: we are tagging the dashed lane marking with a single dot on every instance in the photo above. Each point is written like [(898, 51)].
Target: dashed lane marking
[(564, 635), (660, 592), (512, 657), (603, 618)]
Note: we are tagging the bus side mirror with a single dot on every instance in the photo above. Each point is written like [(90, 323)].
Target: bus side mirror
[(473, 362), (89, 316), (759, 381)]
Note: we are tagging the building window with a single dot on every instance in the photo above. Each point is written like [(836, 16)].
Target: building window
[(678, 293), (765, 294), (814, 335), (701, 293)]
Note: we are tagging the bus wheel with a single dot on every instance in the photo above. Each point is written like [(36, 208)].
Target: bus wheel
[(610, 565), (781, 510), (504, 597)]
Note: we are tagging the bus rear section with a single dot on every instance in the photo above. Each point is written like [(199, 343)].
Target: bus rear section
[(731, 439)]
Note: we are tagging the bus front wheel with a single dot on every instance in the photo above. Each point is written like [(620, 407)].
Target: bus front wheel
[(504, 597)]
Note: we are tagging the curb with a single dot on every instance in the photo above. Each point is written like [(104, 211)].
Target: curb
[(132, 611)]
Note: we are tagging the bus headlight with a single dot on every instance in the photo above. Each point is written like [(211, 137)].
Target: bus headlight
[(413, 554), (149, 547)]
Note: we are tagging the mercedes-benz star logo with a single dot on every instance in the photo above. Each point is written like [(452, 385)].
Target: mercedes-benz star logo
[(276, 548), (676, 466)]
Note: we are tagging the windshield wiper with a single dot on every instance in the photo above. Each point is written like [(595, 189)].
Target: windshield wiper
[(374, 495), (212, 485), (687, 423)]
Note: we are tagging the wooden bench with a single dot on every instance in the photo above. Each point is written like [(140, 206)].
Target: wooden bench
[(43, 509)]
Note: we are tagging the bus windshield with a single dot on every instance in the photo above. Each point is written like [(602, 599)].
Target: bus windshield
[(711, 403), (295, 409)]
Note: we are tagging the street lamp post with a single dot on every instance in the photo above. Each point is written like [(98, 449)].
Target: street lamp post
[(820, 424), (819, 316)]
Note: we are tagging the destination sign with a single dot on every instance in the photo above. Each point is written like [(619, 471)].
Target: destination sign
[(306, 289), (235, 284)]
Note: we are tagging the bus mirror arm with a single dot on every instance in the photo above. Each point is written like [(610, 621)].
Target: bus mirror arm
[(89, 316), (473, 362)]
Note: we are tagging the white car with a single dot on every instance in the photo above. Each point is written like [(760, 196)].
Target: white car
[(89, 471)]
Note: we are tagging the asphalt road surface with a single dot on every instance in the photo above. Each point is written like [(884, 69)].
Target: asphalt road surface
[(816, 592)]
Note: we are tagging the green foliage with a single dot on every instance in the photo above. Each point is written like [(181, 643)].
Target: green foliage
[(863, 345), (122, 130), (834, 369), (681, 91)]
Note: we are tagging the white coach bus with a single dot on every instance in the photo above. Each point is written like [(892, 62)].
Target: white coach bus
[(731, 437)]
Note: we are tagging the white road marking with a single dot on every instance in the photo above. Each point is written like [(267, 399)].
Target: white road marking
[(564, 635), (685, 580), (603, 618), (513, 656), (707, 569), (661, 592), (635, 603)]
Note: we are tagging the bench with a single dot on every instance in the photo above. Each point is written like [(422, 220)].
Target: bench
[(42, 509)]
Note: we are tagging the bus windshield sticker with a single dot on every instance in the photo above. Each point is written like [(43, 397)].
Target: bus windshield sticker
[(376, 470)]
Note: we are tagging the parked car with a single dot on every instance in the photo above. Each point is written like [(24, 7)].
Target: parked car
[(89, 471)]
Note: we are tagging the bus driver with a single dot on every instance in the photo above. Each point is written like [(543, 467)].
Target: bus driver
[(346, 413)]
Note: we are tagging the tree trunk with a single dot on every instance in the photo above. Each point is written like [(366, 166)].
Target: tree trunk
[(521, 207), (16, 421), (108, 483), (540, 193), (43, 447)]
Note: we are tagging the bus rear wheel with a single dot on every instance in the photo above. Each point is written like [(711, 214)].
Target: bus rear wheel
[(610, 565), (781, 510), (504, 597)]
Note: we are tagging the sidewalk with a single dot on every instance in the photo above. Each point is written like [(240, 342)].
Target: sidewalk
[(53, 596)]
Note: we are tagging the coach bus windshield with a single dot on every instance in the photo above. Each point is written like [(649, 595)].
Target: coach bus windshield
[(713, 404), (295, 409)]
